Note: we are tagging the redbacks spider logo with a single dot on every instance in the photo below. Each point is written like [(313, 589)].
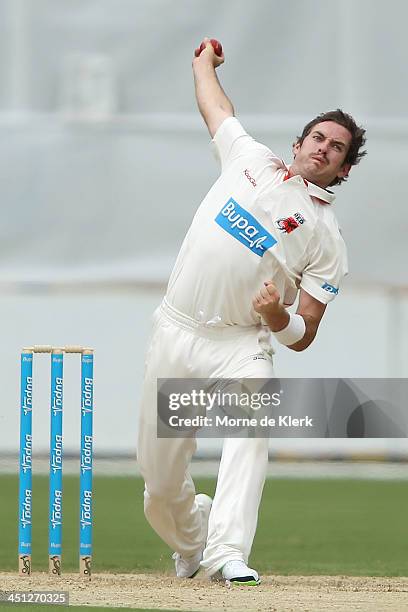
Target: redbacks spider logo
[(288, 224)]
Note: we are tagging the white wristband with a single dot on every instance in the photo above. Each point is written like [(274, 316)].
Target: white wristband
[(293, 332)]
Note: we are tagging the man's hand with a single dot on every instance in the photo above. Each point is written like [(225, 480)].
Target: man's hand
[(206, 52), (267, 303)]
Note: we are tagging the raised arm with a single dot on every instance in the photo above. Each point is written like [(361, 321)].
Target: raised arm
[(212, 101)]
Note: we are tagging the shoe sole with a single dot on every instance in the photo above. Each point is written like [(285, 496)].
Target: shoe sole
[(238, 582)]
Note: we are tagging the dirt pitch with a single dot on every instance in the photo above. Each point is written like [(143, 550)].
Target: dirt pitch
[(276, 593)]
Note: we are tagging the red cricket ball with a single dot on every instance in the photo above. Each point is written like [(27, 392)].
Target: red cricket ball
[(216, 46)]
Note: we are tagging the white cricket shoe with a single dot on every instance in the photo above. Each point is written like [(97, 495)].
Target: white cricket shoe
[(187, 567), (237, 572)]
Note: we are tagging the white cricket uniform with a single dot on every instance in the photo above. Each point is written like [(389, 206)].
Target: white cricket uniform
[(255, 224)]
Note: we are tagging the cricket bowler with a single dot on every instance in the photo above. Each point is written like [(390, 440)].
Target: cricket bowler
[(264, 235)]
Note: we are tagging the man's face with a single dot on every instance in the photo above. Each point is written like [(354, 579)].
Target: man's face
[(320, 158)]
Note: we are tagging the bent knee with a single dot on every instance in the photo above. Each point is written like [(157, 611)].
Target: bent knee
[(160, 493)]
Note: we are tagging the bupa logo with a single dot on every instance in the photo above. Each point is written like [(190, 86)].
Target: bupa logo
[(330, 288), (244, 227)]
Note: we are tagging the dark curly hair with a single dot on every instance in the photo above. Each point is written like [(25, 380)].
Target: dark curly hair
[(358, 139)]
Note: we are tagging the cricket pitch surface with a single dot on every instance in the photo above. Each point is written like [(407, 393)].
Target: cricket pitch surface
[(274, 594)]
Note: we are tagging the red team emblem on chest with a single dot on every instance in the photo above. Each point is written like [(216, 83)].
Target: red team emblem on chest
[(288, 224)]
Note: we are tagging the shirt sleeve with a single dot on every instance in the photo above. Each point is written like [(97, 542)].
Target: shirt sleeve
[(327, 265), (232, 141)]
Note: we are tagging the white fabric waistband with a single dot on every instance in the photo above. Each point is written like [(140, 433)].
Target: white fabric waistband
[(203, 329)]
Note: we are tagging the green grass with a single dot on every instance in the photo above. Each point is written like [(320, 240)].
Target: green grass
[(305, 527), (351, 527)]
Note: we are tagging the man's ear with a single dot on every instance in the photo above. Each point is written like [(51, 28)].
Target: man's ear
[(344, 171), (295, 148)]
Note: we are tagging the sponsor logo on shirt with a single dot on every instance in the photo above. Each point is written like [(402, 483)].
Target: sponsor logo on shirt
[(250, 179), (259, 356), (330, 288), (240, 224), (288, 224)]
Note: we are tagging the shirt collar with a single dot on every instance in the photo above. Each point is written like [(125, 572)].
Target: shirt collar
[(325, 195), (315, 191)]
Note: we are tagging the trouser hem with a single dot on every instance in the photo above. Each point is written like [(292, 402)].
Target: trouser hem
[(216, 567)]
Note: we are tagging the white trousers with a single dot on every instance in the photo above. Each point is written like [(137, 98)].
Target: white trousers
[(183, 348)]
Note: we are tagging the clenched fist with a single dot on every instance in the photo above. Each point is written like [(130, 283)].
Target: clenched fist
[(267, 299), (267, 304)]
